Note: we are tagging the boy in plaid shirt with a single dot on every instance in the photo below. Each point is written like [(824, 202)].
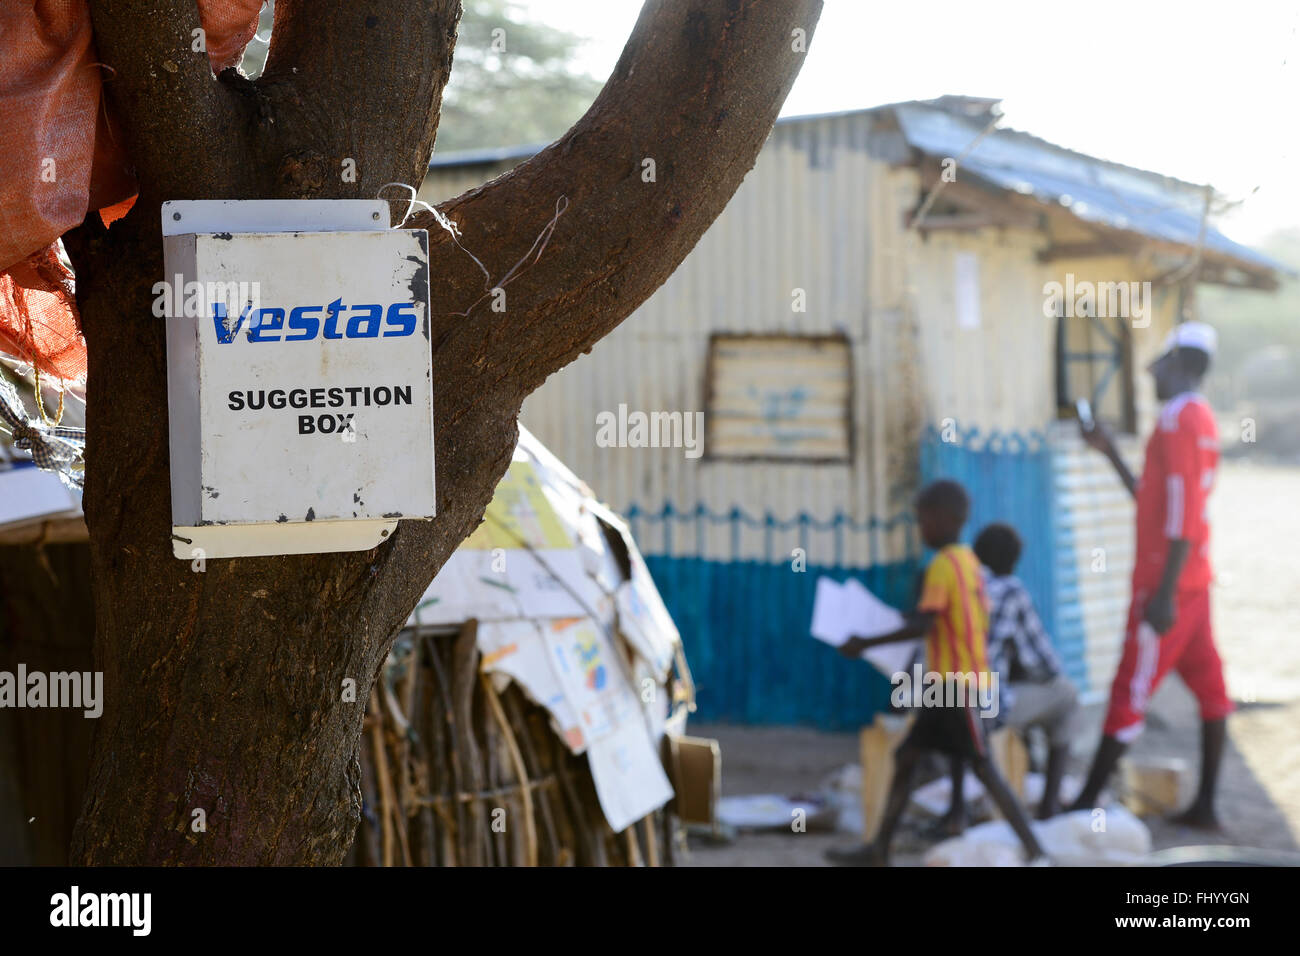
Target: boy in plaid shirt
[(1034, 691)]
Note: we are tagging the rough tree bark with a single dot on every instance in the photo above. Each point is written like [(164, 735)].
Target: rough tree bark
[(223, 687)]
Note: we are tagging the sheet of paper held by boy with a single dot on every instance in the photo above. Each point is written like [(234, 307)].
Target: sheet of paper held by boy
[(843, 610)]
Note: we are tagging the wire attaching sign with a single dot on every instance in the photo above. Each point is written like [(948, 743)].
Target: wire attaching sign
[(300, 383)]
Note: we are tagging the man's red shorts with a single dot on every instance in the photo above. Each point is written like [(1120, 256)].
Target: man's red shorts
[(1187, 647)]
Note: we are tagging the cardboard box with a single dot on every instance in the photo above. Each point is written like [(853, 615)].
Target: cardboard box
[(695, 769), (1152, 786)]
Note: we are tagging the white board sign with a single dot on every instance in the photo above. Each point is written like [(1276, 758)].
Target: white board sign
[(966, 288), (299, 376)]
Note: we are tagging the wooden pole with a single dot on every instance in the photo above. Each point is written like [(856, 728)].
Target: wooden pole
[(381, 772), (521, 772)]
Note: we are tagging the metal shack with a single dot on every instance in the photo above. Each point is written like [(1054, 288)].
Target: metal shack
[(894, 295)]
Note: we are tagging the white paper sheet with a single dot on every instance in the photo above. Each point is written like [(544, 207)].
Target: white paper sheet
[(830, 621), (518, 649), (841, 611), (568, 667), (628, 774), (872, 616), (625, 765), (878, 618)]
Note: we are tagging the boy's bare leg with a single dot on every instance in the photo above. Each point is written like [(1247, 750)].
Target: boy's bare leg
[(876, 853), (1057, 757), (906, 760), (953, 823), (1006, 802)]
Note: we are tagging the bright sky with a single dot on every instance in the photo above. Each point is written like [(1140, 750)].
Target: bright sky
[(1203, 90)]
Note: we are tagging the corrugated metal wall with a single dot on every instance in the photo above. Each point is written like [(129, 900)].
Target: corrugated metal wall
[(737, 547), (1009, 479), (999, 375), (1092, 512), (820, 212), (1093, 557), (447, 182), (817, 213)]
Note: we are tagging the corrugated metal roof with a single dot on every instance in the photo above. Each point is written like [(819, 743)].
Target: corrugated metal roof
[(483, 157), (1118, 197), (1093, 190)]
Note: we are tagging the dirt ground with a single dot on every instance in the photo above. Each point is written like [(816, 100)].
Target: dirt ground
[(1256, 527)]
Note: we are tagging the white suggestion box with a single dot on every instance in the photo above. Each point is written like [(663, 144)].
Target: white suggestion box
[(299, 375)]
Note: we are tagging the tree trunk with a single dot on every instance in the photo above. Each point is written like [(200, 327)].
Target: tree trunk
[(223, 687)]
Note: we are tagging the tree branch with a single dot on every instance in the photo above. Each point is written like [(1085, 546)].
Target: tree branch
[(164, 93), (696, 91), (288, 135), (321, 55)]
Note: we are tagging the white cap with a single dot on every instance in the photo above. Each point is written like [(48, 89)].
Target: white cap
[(1191, 335)]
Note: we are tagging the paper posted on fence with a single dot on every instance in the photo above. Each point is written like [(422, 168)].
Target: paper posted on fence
[(841, 611)]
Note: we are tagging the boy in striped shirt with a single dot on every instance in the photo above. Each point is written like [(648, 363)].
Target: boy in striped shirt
[(952, 616)]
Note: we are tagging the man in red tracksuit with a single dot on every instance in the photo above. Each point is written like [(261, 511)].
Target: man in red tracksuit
[(1169, 617)]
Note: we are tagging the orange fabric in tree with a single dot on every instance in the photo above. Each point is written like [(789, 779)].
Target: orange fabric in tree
[(66, 161), (38, 318), (111, 214), (228, 26)]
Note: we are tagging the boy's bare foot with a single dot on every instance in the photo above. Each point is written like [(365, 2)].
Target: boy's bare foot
[(1199, 817), (866, 855)]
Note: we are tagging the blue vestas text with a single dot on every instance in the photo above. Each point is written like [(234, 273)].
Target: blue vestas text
[(305, 322)]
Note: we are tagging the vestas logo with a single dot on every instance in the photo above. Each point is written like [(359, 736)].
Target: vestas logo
[(305, 322)]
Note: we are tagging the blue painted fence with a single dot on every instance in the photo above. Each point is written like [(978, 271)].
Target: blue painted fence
[(744, 622), (1010, 479), (745, 628)]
